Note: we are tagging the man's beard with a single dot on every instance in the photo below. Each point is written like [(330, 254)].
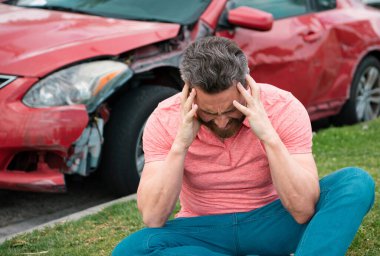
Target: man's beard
[(231, 129)]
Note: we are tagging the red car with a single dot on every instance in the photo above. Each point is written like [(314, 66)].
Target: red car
[(78, 79)]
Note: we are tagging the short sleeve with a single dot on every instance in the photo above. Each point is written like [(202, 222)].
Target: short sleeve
[(156, 139), (293, 125)]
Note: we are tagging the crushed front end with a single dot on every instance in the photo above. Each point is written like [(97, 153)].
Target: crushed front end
[(42, 139)]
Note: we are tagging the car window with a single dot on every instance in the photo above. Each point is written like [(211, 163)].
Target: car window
[(278, 8), (184, 12)]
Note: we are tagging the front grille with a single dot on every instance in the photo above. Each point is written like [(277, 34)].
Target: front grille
[(4, 80)]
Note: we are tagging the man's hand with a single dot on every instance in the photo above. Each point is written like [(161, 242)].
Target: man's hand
[(254, 111), (189, 124)]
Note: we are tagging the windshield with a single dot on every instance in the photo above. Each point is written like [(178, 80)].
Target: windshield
[(184, 12)]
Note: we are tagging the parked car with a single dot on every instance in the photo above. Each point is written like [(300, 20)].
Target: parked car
[(78, 79)]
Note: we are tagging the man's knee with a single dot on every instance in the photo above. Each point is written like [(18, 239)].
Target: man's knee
[(352, 183), (134, 244), (363, 186)]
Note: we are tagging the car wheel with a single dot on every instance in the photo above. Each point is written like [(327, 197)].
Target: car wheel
[(364, 101), (122, 155)]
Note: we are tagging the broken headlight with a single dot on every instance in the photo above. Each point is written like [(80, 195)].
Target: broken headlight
[(87, 83)]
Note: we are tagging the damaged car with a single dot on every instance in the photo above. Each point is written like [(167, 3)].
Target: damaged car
[(78, 79)]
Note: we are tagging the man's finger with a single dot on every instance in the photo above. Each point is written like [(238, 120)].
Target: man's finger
[(241, 108), (191, 114), (184, 93), (244, 92), (255, 88), (189, 101)]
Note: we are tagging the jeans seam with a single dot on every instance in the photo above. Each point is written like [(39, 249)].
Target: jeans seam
[(281, 211), (164, 233), (235, 234), (198, 231), (207, 226)]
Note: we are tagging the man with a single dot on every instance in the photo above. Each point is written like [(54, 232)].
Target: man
[(238, 155)]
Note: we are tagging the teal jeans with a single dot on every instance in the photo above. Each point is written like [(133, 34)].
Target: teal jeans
[(346, 197)]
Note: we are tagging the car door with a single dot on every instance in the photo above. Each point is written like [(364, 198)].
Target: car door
[(329, 76), (291, 55)]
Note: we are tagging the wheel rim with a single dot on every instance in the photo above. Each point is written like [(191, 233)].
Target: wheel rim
[(140, 159), (368, 95)]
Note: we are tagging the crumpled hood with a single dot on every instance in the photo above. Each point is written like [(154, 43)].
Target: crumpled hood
[(34, 42)]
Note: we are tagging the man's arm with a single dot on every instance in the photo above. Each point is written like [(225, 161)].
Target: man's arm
[(160, 186), (161, 181), (294, 176)]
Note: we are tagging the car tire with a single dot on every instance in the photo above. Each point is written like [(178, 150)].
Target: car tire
[(364, 102), (122, 155)]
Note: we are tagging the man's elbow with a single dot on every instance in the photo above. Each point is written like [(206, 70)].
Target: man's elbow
[(153, 220), (304, 209), (153, 223), (303, 216)]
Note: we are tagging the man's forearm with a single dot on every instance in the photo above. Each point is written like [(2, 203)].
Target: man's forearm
[(297, 187), (158, 195)]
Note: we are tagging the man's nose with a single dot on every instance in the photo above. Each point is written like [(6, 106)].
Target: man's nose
[(221, 121)]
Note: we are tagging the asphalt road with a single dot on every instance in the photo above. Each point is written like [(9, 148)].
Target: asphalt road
[(20, 211)]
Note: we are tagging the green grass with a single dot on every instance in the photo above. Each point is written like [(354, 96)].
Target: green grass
[(357, 145), (97, 234)]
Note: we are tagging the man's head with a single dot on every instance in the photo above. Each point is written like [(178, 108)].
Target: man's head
[(213, 66)]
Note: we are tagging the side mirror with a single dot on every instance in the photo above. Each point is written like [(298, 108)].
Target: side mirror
[(250, 18)]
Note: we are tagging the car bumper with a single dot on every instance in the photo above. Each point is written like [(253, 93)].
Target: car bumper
[(34, 142)]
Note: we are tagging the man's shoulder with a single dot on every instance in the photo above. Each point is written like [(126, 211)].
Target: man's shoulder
[(169, 106), (167, 113), (272, 94), (278, 102)]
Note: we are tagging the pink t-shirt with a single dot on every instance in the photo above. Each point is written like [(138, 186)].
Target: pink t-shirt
[(234, 175)]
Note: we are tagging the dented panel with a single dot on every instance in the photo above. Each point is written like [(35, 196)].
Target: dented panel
[(313, 56)]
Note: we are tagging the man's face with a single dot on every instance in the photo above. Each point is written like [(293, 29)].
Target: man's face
[(217, 112)]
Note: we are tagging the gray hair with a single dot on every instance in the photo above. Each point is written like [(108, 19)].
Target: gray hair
[(214, 64)]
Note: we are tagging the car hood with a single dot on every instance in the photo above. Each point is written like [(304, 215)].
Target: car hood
[(35, 42)]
